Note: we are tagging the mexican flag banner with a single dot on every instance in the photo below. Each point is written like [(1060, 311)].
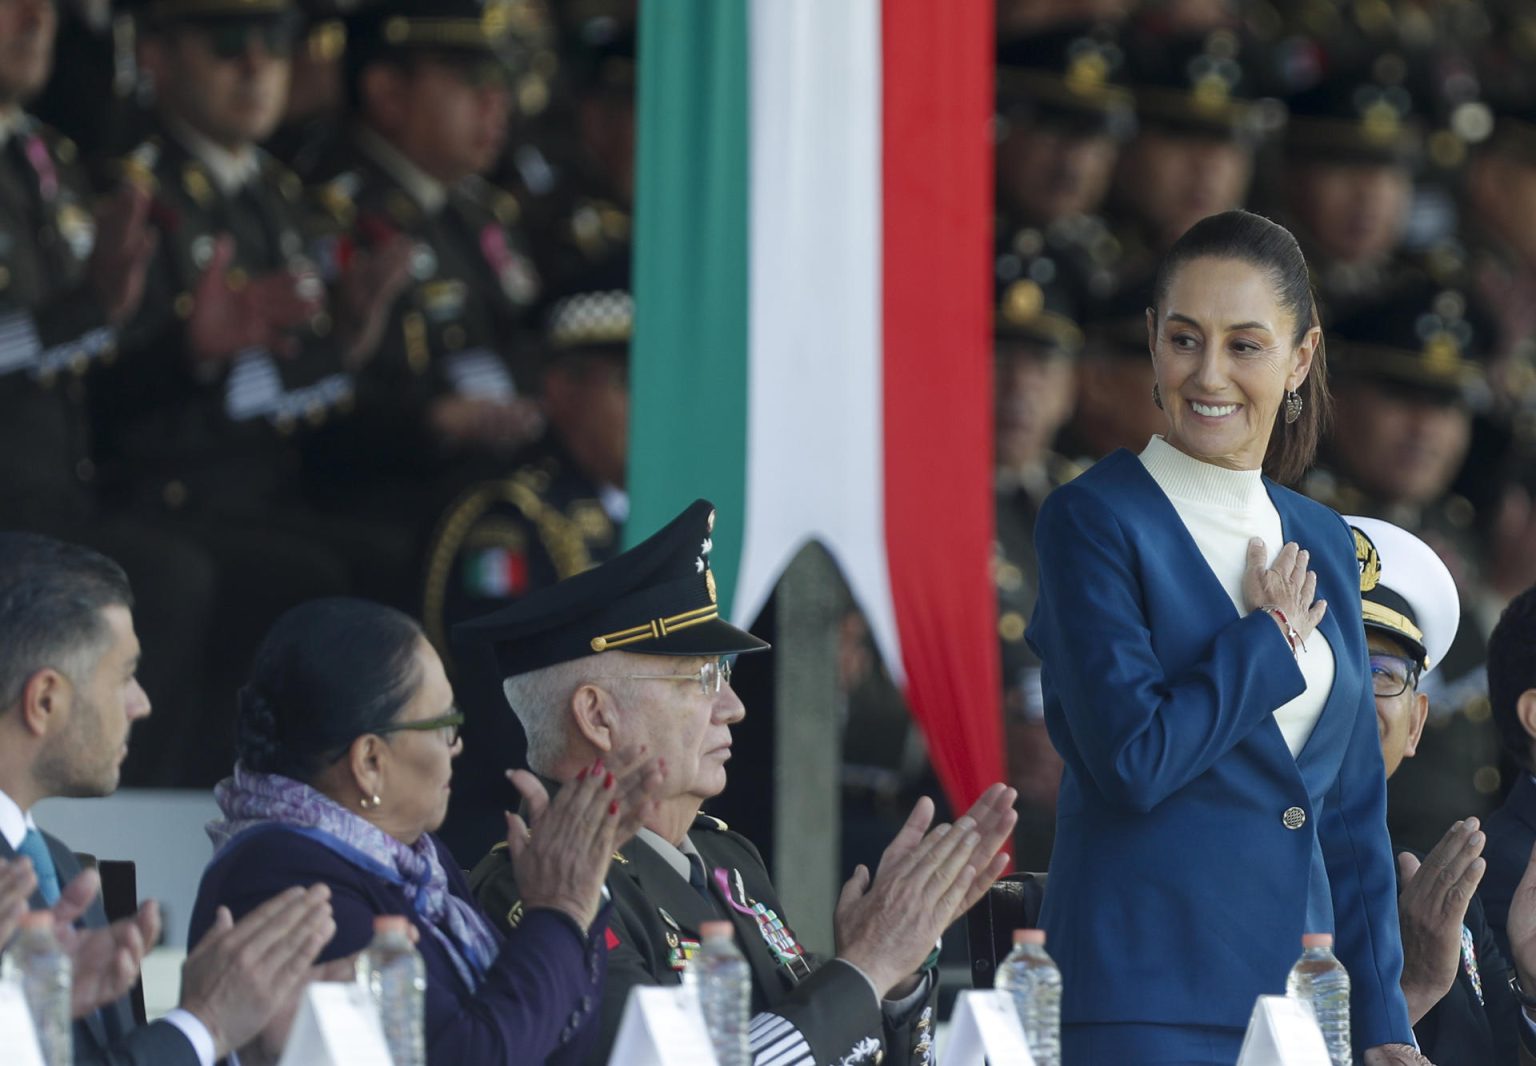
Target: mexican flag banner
[(813, 347)]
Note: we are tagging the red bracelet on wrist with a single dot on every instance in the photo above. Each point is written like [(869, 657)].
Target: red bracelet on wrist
[(1292, 637)]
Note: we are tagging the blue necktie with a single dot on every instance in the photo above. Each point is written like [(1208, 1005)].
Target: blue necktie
[(34, 847)]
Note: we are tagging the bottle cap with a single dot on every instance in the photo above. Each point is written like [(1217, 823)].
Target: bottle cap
[(717, 930), (392, 923), (37, 920), (1029, 936), (1317, 940)]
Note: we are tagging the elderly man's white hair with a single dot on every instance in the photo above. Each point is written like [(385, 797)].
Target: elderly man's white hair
[(541, 699)]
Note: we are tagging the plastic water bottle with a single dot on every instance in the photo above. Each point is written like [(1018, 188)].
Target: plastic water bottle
[(1031, 979), (1320, 979), (40, 966), (720, 977), (397, 978)]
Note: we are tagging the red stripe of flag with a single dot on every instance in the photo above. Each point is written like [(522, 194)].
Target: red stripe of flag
[(937, 83)]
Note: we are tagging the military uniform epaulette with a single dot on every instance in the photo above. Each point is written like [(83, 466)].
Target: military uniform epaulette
[(710, 822)]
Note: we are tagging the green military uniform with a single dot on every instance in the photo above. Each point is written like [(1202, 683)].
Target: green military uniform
[(457, 327), (1034, 320), (54, 340), (227, 437), (52, 326), (655, 928), (659, 599), (1427, 343)]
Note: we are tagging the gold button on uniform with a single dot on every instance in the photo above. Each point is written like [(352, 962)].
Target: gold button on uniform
[(1294, 818)]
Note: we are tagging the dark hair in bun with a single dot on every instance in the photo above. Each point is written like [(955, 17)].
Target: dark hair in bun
[(328, 671)]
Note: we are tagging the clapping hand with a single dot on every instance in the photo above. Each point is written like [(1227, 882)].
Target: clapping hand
[(927, 878), (1520, 926), (366, 294), (17, 883), (106, 960), (125, 243), (561, 855), (259, 312), (1431, 909)]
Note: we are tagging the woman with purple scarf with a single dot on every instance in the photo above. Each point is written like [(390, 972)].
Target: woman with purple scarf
[(346, 738)]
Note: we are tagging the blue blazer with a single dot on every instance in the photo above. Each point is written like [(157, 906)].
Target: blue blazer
[(1179, 885), (536, 1002)]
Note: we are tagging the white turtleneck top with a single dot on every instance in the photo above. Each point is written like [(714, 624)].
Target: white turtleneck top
[(1223, 509)]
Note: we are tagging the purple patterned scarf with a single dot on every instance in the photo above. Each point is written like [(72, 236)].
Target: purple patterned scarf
[(250, 799)]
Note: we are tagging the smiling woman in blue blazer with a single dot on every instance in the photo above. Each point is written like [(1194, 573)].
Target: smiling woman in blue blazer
[(1206, 683)]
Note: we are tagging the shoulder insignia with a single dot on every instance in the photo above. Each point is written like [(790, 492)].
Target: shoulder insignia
[(515, 915), (709, 821), (505, 207), (499, 846), (619, 858), (196, 183)]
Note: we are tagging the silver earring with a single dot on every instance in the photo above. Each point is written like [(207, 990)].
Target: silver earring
[(1293, 403), (1157, 397)]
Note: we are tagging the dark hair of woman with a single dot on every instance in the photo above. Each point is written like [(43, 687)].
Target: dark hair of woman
[(328, 672), (1254, 239)]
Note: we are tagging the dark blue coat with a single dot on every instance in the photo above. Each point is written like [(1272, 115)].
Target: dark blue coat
[(536, 1003), (1179, 882), (1511, 832)]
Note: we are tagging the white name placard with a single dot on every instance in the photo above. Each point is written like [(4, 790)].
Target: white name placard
[(662, 1027), (17, 1034), (985, 1029), (337, 1025), (1283, 1032)]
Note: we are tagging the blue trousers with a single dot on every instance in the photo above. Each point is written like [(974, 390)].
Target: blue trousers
[(1149, 1045)]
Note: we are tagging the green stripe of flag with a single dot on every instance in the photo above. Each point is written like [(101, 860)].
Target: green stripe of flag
[(688, 367)]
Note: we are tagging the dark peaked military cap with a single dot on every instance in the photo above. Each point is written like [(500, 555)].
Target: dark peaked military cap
[(1070, 76), (395, 26), (1364, 114), (1427, 337), (1200, 85), (657, 598)]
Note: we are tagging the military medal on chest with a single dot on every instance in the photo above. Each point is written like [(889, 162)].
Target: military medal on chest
[(680, 946), (778, 936)]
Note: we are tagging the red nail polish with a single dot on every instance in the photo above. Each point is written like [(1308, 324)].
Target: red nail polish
[(583, 775), (613, 807), (608, 781), (597, 767)]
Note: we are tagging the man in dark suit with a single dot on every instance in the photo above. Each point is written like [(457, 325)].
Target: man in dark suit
[(1512, 691), (1456, 981), (633, 652), (68, 699)]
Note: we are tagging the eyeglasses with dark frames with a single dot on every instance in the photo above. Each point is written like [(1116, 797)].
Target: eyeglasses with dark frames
[(1392, 675), (448, 724)]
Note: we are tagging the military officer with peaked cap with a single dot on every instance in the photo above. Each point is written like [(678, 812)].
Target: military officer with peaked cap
[(1036, 342), (1455, 978), (635, 651), (1062, 111), (1200, 119), (238, 350), (1408, 370), (430, 80), (1352, 144)]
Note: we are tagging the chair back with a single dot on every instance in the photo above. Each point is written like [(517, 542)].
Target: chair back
[(120, 899), (1012, 903)]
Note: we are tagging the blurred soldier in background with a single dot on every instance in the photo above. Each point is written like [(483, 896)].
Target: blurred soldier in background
[(71, 273), (441, 394), (236, 351), (1036, 341), (559, 512), (1199, 121), (1408, 365), (1114, 373), (1350, 146), (1063, 112)]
